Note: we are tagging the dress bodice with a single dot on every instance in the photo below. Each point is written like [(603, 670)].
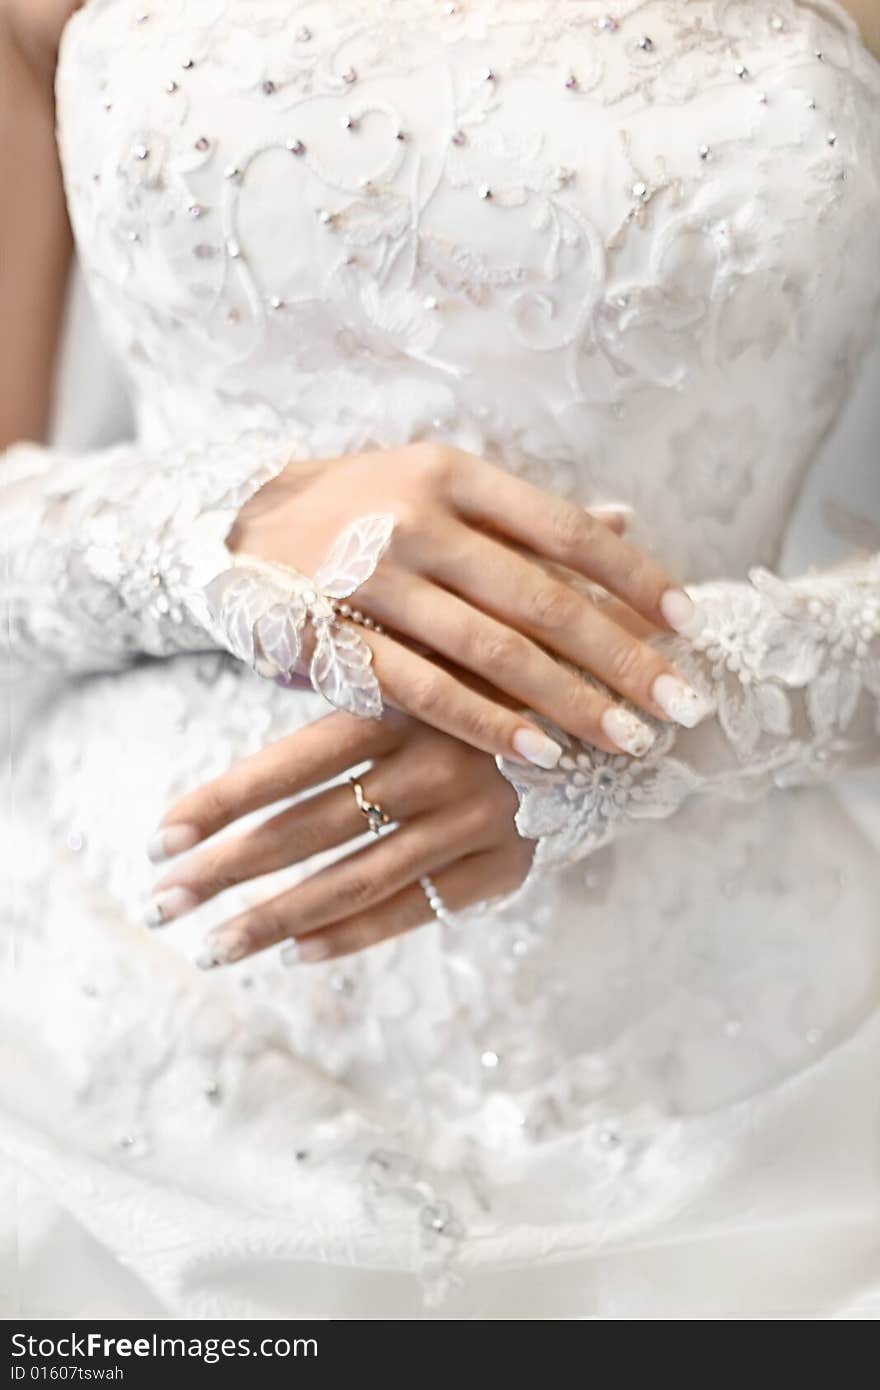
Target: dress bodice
[(626, 246)]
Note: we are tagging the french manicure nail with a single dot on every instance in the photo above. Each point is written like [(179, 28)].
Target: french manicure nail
[(227, 949), (170, 840), (309, 950), (615, 511), (207, 960), (630, 733), (290, 953), (537, 748), (681, 613), (680, 702), (174, 902)]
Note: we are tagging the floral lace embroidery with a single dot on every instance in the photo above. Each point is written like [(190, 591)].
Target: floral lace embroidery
[(794, 672)]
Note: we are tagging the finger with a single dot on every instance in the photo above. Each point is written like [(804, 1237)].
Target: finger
[(312, 755), (510, 662), (429, 693), (494, 873), (570, 535), (355, 883), (401, 784), (520, 593)]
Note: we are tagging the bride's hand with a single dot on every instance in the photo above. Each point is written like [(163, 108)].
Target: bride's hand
[(454, 814), (472, 575)]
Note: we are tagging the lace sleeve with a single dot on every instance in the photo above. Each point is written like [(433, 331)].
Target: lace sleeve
[(115, 554), (107, 555), (793, 673)]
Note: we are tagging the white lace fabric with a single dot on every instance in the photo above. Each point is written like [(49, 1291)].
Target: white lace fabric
[(793, 670), (629, 250)]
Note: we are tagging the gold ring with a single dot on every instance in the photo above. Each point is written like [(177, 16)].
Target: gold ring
[(372, 812)]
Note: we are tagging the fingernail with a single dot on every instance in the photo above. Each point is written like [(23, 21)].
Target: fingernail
[(614, 511), (170, 840), (207, 960), (536, 748), (629, 732), (226, 950), (307, 950), (681, 613), (680, 701), (174, 902)]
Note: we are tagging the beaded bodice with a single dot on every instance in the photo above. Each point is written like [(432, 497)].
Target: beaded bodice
[(628, 247)]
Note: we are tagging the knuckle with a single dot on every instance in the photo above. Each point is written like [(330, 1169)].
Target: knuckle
[(427, 693), (626, 663), (446, 778), (498, 651), (552, 606), (569, 528), (358, 890), (485, 726), (433, 460), (215, 802)]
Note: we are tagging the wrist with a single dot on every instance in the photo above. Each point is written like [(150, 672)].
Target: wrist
[(260, 523)]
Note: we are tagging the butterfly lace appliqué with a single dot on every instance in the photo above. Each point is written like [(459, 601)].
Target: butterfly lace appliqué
[(263, 611)]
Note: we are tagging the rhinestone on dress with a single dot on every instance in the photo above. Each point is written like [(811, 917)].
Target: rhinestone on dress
[(459, 138), (571, 82), (140, 152), (741, 70), (646, 44), (203, 143), (484, 191), (303, 35), (269, 87), (489, 1060), (349, 76)]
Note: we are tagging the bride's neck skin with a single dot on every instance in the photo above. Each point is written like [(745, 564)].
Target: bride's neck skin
[(866, 14)]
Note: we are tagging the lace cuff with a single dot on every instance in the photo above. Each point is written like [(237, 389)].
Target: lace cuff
[(793, 672), (108, 555)]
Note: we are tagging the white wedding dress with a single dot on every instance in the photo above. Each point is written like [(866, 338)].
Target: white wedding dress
[(629, 249)]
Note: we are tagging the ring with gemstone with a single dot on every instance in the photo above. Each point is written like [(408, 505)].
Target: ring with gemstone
[(374, 814)]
